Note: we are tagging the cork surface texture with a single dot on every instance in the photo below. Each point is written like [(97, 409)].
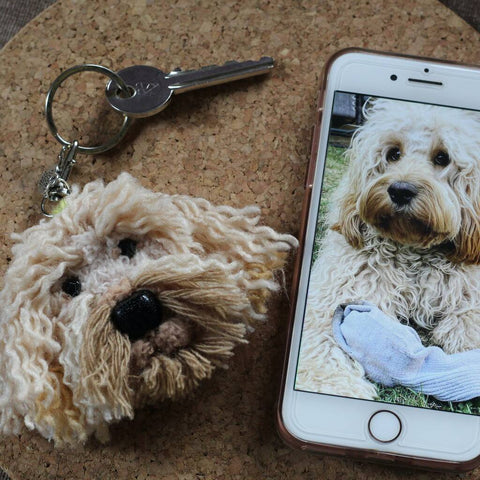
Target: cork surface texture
[(237, 144)]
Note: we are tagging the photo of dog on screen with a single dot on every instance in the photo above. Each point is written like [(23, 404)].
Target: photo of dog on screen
[(394, 293)]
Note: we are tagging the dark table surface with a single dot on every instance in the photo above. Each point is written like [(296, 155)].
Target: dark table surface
[(14, 14)]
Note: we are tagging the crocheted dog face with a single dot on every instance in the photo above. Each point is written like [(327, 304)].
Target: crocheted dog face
[(125, 298)]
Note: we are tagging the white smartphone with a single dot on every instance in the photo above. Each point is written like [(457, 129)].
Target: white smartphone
[(383, 358)]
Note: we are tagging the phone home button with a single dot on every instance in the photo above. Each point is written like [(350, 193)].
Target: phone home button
[(384, 426)]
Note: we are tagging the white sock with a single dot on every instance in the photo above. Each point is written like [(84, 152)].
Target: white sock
[(393, 354)]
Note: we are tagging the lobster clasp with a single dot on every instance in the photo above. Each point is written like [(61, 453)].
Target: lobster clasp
[(54, 185)]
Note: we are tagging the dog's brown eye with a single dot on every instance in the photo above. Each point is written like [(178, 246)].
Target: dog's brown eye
[(128, 247), (72, 286), (393, 154), (441, 158)]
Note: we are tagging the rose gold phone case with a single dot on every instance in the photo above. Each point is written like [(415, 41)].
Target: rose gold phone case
[(287, 437)]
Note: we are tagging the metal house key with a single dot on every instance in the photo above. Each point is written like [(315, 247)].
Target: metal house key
[(135, 92), (151, 89)]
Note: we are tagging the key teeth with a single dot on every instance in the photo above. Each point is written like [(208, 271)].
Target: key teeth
[(228, 62)]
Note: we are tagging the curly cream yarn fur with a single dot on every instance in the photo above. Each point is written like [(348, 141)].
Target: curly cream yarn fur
[(65, 369)]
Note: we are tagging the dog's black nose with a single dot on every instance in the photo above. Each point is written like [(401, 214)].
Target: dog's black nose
[(402, 193), (137, 314)]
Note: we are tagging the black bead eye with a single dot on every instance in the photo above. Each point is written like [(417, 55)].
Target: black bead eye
[(128, 247), (441, 159), (72, 286), (393, 154)]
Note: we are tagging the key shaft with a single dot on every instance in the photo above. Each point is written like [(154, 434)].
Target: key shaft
[(185, 81)]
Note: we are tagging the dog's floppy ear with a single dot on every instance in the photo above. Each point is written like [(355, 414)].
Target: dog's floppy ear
[(467, 242), (348, 222), (344, 217)]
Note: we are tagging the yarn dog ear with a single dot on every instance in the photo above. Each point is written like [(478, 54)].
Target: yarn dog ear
[(125, 298), (235, 237)]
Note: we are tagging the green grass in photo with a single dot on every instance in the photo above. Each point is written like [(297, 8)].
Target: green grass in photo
[(406, 396)]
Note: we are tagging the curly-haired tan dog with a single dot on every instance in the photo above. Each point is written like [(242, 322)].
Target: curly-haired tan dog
[(404, 235), (125, 298)]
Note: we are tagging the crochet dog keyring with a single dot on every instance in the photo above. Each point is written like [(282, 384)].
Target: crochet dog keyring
[(126, 297)]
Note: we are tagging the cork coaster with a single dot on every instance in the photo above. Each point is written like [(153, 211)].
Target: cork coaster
[(237, 144)]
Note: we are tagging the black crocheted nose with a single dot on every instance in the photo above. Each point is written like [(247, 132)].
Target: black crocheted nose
[(137, 314)]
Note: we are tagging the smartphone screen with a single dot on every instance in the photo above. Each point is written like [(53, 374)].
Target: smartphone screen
[(390, 313)]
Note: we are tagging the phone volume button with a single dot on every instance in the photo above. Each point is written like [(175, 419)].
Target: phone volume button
[(313, 157), (314, 141)]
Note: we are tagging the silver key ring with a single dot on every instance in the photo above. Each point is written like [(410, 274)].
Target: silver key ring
[(122, 86), (135, 92)]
